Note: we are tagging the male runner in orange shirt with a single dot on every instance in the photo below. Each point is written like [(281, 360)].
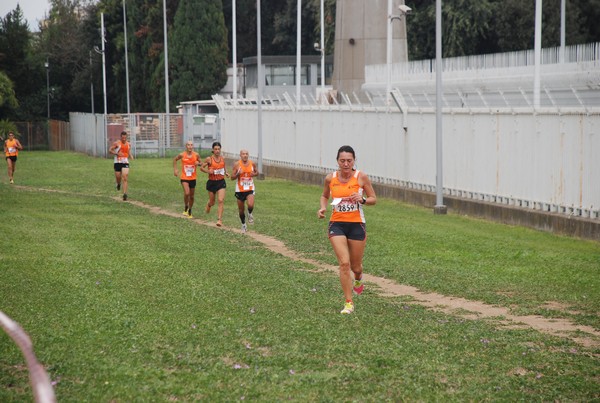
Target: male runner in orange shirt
[(244, 170), (122, 151), (189, 161)]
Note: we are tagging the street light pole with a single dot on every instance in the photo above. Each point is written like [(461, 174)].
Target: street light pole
[(47, 65), (404, 10), (92, 82), (103, 52)]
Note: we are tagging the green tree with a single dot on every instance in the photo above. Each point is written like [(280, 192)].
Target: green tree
[(198, 50), (7, 93), (472, 27), (514, 27), (145, 43), (63, 44), (465, 25), (17, 62)]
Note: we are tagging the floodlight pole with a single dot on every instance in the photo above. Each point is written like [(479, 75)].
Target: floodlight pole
[(126, 57), (323, 51), (298, 50), (234, 46), (388, 57), (103, 51), (167, 107), (537, 53), (562, 30), (439, 207), (260, 79)]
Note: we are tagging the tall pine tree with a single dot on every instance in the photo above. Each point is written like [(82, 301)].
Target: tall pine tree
[(198, 50)]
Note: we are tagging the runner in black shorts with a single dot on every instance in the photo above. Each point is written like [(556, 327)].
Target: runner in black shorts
[(189, 161), (356, 231), (213, 186), (214, 166), (11, 151), (243, 172), (350, 190), (119, 167), (121, 149), (191, 184), (242, 196)]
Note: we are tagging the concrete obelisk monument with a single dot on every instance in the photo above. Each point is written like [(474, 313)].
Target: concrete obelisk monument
[(361, 39)]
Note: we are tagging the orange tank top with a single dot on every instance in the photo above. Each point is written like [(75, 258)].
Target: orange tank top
[(122, 156), (245, 183), (344, 209), (188, 166), (11, 148), (218, 168)]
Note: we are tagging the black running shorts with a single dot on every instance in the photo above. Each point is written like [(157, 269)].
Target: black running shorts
[(242, 196), (119, 166), (191, 183), (214, 186), (356, 231)]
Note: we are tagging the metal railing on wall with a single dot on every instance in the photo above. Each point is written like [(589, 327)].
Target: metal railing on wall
[(543, 161)]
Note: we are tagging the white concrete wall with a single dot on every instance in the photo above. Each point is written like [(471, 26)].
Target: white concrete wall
[(548, 160)]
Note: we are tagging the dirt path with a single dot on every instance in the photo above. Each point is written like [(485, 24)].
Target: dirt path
[(586, 336)]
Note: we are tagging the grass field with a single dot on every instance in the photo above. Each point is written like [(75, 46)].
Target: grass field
[(125, 305)]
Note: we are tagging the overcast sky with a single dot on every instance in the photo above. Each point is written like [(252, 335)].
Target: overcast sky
[(33, 10)]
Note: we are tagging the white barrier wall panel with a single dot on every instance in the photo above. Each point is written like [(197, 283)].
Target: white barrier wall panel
[(535, 160)]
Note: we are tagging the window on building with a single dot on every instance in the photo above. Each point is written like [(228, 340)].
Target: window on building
[(286, 75)]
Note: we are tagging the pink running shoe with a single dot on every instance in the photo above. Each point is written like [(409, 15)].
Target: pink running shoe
[(358, 287)]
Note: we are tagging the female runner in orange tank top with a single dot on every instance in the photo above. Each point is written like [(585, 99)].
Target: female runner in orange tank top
[(11, 151), (350, 190)]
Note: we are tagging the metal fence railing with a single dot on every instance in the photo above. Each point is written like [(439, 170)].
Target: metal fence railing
[(151, 134)]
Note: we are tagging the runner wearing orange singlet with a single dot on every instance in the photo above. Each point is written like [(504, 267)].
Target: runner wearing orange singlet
[(11, 151), (189, 161), (350, 190), (214, 166), (243, 171), (122, 151)]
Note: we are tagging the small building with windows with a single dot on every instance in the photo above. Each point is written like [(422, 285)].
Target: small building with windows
[(200, 118), (200, 122), (280, 76)]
